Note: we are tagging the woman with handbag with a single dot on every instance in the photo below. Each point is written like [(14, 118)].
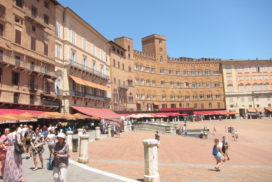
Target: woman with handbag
[(13, 171), (37, 144), (61, 159)]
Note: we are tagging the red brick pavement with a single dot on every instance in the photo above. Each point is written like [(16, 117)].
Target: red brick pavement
[(189, 159)]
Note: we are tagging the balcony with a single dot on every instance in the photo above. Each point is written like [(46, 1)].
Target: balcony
[(34, 18), (24, 64), (54, 103), (88, 69), (90, 96)]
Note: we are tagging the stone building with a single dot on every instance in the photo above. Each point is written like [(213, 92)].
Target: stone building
[(121, 74), (164, 82), (84, 57), (248, 85), (27, 65)]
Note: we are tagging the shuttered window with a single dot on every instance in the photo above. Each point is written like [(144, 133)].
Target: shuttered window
[(17, 36)]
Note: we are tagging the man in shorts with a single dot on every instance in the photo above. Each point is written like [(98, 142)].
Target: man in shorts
[(225, 148)]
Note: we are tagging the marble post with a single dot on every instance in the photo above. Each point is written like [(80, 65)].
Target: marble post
[(270, 116), (97, 133), (109, 131), (69, 140), (151, 160), (83, 149), (79, 131)]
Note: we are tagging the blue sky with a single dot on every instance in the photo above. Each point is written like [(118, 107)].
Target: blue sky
[(226, 29)]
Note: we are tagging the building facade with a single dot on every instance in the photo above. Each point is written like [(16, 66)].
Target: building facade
[(27, 65), (164, 82), (122, 87), (84, 57), (248, 85)]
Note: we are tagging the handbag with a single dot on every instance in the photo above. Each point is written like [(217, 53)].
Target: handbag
[(50, 164), (19, 149)]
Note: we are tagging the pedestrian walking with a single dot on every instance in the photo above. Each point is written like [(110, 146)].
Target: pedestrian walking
[(225, 148), (13, 171), (3, 150), (158, 138), (235, 135), (61, 159), (51, 138), (37, 144), (217, 153), (27, 140)]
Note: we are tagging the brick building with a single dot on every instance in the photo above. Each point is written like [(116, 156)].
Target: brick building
[(27, 66)]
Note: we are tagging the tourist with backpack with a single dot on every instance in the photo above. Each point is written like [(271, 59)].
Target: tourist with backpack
[(217, 153)]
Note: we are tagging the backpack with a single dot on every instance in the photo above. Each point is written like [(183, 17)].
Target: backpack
[(215, 150)]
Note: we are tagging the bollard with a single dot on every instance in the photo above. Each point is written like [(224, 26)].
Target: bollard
[(83, 149), (151, 160), (109, 131), (97, 133), (79, 131), (69, 139)]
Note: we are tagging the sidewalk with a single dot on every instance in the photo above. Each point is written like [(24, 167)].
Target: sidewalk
[(76, 171)]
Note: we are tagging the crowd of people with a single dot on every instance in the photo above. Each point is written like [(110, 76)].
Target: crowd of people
[(32, 142)]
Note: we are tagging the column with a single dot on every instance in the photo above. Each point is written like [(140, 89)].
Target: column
[(97, 133), (69, 139), (151, 160), (83, 149), (109, 131)]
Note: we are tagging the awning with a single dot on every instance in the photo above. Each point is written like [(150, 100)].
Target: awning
[(88, 83), (268, 109), (171, 114), (220, 112), (97, 112), (19, 111), (259, 109), (251, 110)]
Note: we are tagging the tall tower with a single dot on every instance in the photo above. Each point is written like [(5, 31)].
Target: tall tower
[(126, 43), (155, 45)]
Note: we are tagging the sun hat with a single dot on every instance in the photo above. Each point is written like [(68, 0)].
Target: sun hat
[(61, 135)]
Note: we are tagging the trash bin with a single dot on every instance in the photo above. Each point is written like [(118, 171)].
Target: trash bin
[(75, 144)]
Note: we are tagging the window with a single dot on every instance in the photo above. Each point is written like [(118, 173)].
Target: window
[(209, 96), (172, 84), (34, 11), (136, 67), (187, 97), (194, 85), (73, 37), (185, 73), (170, 72), (15, 78), (84, 44), (247, 77), (16, 98), (46, 4), (216, 72), (94, 64), (46, 19), (152, 70), (172, 97), (162, 83), (118, 64), (1, 73), (200, 85), (179, 97), (84, 62), (248, 87), (142, 68), (123, 66), (129, 69), (218, 97), (17, 36), (58, 51), (93, 50), (258, 69), (161, 59), (187, 105), (230, 88), (147, 69), (216, 85), (33, 43), (1, 29), (73, 57), (240, 78), (208, 85), (178, 73), (178, 84), (201, 97), (240, 69), (194, 97), (200, 73), (58, 28), (161, 70), (147, 82), (246, 69), (186, 84), (19, 3), (45, 50), (153, 82), (210, 105), (163, 97), (254, 69), (218, 105), (208, 72), (193, 73)]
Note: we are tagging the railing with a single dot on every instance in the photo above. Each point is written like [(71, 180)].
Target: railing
[(22, 63), (87, 95), (49, 103), (88, 69)]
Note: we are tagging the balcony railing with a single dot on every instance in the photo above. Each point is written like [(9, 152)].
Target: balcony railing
[(87, 95), (35, 18), (50, 103), (22, 63), (88, 69)]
